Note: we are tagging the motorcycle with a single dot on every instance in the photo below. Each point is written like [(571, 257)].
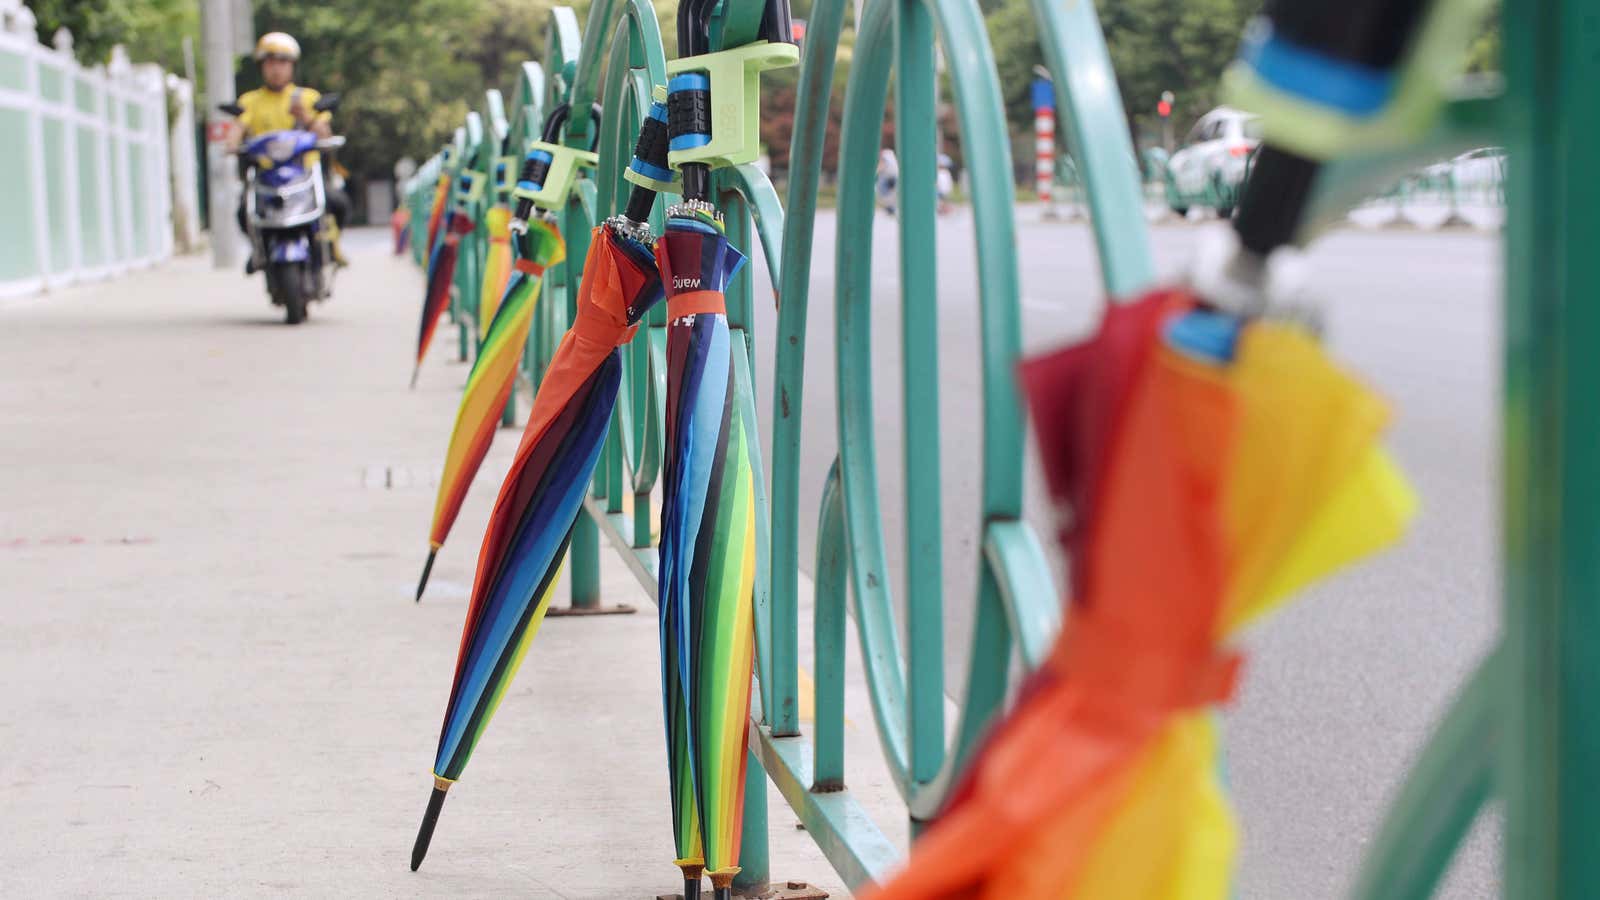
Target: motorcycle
[(286, 214)]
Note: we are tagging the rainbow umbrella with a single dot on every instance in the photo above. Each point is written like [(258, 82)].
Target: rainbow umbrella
[(400, 224), (496, 264), (441, 196), (707, 554), (1219, 465), (442, 270), (493, 375), (541, 498)]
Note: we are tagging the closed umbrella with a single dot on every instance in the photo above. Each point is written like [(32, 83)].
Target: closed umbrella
[(542, 495), (493, 375), (442, 268), (707, 555), (1211, 466)]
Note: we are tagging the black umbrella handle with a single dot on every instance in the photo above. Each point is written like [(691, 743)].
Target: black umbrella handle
[(536, 165), (649, 170), (1367, 37)]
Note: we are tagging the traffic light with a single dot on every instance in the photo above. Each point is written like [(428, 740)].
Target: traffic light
[(1164, 109)]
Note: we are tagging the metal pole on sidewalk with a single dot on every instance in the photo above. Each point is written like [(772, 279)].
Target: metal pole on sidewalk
[(217, 39), (1044, 140)]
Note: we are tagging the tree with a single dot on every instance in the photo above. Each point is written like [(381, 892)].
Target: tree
[(1159, 45), (152, 30), (1155, 45)]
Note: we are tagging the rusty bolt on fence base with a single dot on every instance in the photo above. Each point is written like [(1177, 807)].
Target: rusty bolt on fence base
[(790, 890)]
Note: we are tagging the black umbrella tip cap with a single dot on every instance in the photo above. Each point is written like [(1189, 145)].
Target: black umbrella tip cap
[(419, 850), (691, 888), (722, 893), (422, 583)]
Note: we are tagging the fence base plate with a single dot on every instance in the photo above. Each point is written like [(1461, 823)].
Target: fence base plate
[(620, 609), (788, 890)]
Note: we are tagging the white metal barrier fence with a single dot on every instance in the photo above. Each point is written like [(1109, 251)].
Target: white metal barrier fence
[(83, 162)]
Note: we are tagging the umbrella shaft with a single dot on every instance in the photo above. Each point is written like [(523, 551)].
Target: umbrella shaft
[(1275, 200), (639, 204), (696, 181)]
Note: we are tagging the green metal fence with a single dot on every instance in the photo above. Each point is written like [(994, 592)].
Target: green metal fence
[(1524, 725), (1018, 610)]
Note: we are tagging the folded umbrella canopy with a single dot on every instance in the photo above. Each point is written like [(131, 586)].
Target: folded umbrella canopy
[(707, 554), (541, 498), (493, 375), (1211, 468), (542, 495), (441, 203), (442, 268), (496, 264)]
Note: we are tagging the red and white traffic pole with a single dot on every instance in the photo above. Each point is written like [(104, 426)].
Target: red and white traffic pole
[(1044, 143)]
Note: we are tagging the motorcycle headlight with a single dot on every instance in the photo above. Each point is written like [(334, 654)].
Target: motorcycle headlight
[(282, 149)]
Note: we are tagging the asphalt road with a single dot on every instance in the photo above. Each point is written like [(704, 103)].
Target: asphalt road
[(1343, 686)]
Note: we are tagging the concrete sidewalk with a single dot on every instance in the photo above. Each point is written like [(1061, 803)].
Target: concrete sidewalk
[(216, 681)]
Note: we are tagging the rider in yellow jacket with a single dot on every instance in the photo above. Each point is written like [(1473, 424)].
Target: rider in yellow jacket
[(281, 105)]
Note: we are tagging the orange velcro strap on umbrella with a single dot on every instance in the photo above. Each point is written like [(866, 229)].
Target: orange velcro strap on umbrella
[(694, 303), (596, 329), (529, 266)]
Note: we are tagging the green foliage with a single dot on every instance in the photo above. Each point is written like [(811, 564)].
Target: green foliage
[(398, 67), (1155, 46), (152, 30), (408, 70), (1159, 45)]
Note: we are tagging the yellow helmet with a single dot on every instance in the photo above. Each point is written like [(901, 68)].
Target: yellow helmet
[(276, 43)]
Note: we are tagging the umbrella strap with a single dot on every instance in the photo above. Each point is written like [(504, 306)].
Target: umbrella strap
[(529, 267), (694, 303), (606, 334)]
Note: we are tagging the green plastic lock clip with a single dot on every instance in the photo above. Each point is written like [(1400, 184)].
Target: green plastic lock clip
[(735, 100), (474, 191), (505, 169), (564, 163)]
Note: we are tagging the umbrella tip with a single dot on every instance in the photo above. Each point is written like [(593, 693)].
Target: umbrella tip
[(427, 567), (414, 373), (425, 833)]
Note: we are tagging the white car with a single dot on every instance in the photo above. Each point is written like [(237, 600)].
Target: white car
[(1209, 169)]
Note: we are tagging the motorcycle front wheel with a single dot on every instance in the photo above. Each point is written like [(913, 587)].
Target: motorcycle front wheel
[(287, 282)]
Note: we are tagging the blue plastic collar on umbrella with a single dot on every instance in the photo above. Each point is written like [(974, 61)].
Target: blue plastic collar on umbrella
[(1334, 83), (1203, 335), (687, 83), (542, 156)]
